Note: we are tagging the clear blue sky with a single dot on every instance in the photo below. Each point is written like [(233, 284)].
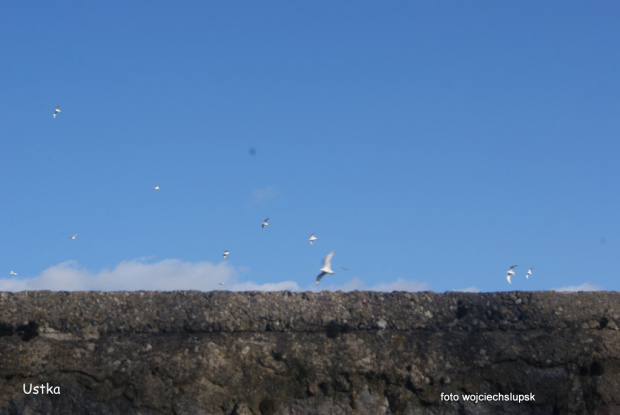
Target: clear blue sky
[(431, 144)]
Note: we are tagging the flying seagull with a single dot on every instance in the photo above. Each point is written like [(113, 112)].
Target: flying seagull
[(220, 283), (265, 223), (72, 237), (13, 272), (312, 239), (327, 267), (156, 187), (56, 111), (225, 255), (529, 272), (510, 273)]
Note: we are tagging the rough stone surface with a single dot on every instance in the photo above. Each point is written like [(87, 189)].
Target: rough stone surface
[(333, 353)]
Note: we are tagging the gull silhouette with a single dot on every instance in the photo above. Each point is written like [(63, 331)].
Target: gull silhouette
[(327, 267), (312, 239), (510, 273)]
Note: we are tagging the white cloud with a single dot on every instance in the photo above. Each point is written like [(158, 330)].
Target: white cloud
[(471, 289), (586, 286), (252, 286), (172, 275), (166, 275), (398, 285)]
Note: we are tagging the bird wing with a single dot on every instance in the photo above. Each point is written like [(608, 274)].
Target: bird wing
[(327, 262), (318, 278)]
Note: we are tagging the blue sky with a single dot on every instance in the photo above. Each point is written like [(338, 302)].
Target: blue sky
[(432, 145)]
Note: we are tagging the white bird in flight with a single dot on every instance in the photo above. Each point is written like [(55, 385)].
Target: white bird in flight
[(13, 272), (225, 255), (312, 239), (529, 272), (156, 187), (72, 237), (327, 267), (265, 223), (220, 283), (510, 273), (56, 111)]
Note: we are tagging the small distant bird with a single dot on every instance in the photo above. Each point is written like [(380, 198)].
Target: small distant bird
[(344, 269), (327, 267), (56, 111), (156, 187), (13, 273), (220, 283), (225, 255), (312, 239), (529, 272), (510, 273), (72, 237), (265, 223)]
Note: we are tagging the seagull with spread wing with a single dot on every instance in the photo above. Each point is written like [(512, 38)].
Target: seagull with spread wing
[(56, 111), (510, 273), (312, 239), (327, 267)]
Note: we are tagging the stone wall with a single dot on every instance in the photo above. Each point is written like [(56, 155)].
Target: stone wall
[(190, 352)]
